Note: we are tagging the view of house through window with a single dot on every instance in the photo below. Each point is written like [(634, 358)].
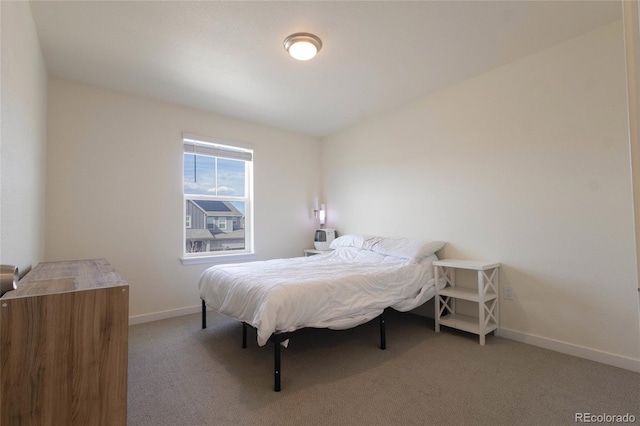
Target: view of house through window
[(217, 198)]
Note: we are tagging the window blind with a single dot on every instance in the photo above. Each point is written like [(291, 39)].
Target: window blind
[(199, 147)]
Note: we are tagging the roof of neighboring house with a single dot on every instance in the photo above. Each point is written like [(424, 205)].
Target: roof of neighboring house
[(217, 208), (206, 235), (231, 235), (199, 234)]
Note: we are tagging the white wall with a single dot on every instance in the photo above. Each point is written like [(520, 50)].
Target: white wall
[(527, 165), (631, 20), (114, 188), (22, 139)]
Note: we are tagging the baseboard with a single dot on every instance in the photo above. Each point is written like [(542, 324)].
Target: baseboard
[(155, 316), (543, 342), (574, 350)]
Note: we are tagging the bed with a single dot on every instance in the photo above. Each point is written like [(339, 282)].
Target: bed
[(351, 285)]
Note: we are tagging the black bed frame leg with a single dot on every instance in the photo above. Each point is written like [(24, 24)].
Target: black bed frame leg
[(276, 370), (244, 335), (383, 339), (204, 314)]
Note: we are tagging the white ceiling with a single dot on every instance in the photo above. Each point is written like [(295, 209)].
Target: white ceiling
[(228, 58)]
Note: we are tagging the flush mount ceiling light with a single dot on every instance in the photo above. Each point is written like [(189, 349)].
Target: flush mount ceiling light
[(302, 46)]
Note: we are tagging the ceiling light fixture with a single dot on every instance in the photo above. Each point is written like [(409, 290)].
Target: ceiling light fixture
[(302, 46)]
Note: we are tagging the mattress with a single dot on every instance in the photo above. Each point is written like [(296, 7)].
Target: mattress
[(340, 289)]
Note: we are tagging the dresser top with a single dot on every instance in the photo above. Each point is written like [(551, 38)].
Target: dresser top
[(68, 276)]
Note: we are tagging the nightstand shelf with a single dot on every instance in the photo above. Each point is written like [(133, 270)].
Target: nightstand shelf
[(465, 294), (466, 323), (485, 295)]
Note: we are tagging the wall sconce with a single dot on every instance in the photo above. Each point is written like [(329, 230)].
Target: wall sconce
[(322, 215), (319, 211)]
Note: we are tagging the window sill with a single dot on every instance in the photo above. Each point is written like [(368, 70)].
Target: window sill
[(221, 258)]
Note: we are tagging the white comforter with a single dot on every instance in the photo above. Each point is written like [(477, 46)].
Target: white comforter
[(337, 290)]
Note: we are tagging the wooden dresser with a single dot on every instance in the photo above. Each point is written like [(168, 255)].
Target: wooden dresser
[(63, 346)]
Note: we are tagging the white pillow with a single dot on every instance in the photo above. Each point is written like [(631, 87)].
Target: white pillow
[(356, 241), (405, 248)]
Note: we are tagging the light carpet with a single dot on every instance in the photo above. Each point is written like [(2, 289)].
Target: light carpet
[(182, 375)]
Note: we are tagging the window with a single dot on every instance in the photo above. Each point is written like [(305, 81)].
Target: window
[(217, 198)]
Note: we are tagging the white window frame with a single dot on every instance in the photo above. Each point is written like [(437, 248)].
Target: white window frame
[(222, 149), (187, 224)]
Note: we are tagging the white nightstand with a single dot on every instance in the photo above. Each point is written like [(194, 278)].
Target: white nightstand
[(486, 296), (311, 252)]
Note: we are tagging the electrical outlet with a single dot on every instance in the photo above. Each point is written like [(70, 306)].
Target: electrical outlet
[(508, 293)]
